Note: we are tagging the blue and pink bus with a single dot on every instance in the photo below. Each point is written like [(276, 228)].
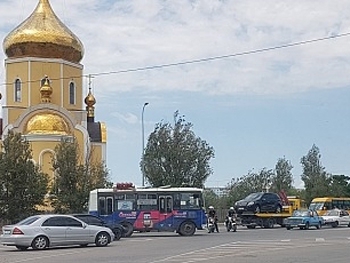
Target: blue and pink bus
[(151, 209)]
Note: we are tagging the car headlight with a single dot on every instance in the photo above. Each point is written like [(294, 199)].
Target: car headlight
[(250, 203)]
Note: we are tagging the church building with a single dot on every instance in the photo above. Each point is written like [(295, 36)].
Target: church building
[(44, 96)]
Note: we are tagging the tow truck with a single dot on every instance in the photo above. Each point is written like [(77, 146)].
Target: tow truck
[(269, 220)]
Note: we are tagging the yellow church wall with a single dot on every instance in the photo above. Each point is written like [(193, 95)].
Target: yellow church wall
[(82, 148), (42, 153), (73, 74), (14, 71), (39, 69), (14, 113), (96, 153)]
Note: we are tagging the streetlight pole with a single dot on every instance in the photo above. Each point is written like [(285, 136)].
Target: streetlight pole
[(143, 144)]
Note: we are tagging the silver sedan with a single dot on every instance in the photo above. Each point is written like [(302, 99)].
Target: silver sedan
[(43, 231)]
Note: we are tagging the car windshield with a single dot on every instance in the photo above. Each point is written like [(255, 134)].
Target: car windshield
[(301, 213), (28, 221), (333, 213), (253, 196)]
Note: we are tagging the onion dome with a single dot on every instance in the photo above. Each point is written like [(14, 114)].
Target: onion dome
[(47, 123), (90, 101), (46, 91), (43, 35)]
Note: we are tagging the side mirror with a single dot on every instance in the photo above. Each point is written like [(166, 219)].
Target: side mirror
[(84, 225)]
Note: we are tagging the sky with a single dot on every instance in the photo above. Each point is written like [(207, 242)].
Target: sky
[(234, 68)]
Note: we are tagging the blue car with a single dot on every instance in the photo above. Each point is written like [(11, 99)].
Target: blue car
[(304, 219)]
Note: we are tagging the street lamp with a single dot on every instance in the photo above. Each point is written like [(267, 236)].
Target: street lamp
[(143, 144)]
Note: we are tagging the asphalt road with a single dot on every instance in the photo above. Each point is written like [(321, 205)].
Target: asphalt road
[(244, 246)]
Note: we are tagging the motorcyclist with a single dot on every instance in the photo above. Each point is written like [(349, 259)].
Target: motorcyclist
[(212, 214), (230, 213)]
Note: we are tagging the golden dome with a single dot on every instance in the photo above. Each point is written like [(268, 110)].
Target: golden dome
[(47, 123), (90, 99), (42, 34)]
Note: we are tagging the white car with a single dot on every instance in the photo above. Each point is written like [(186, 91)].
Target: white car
[(336, 217), (43, 231)]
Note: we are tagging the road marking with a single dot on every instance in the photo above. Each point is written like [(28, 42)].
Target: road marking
[(320, 239)]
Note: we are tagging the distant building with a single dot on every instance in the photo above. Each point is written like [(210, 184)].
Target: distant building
[(220, 191)]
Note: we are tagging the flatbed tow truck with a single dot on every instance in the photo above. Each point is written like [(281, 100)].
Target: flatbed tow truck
[(269, 220)]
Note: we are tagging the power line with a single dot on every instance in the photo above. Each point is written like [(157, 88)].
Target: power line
[(201, 60)]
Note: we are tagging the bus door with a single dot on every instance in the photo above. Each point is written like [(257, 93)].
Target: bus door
[(165, 211)]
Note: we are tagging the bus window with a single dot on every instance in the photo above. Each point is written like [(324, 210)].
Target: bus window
[(162, 204), (169, 205), (189, 200), (102, 205), (147, 202), (109, 205)]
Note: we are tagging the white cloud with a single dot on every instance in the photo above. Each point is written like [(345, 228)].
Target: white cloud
[(131, 34)]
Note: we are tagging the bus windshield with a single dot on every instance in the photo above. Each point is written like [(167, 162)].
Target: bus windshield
[(316, 206)]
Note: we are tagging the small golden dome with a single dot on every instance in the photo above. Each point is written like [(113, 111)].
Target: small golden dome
[(42, 34), (46, 91), (90, 99), (47, 123)]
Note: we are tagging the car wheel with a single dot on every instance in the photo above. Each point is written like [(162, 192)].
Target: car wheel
[(307, 225), (319, 225), (288, 228), (187, 229), (129, 229), (21, 248), (335, 224), (117, 233), (102, 239), (40, 243), (257, 209)]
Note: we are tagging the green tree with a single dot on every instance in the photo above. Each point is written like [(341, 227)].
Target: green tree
[(250, 183), (339, 185), (175, 156), (315, 178), (283, 177), (74, 180), (22, 185)]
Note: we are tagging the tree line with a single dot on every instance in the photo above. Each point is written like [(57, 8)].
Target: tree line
[(317, 182)]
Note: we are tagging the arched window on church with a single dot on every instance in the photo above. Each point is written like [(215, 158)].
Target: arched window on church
[(72, 92), (18, 90)]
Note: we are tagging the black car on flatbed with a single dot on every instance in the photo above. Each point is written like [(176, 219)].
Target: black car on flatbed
[(117, 229)]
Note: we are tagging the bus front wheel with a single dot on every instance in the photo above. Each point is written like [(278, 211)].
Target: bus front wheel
[(187, 229), (129, 229)]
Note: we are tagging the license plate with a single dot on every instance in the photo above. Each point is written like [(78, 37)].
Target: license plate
[(7, 232)]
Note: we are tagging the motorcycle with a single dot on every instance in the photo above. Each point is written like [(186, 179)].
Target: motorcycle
[(211, 225), (231, 223)]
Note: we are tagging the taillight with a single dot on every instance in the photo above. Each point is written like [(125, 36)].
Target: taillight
[(17, 231)]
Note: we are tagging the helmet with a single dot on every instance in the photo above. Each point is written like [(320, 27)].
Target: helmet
[(211, 207), (231, 208)]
